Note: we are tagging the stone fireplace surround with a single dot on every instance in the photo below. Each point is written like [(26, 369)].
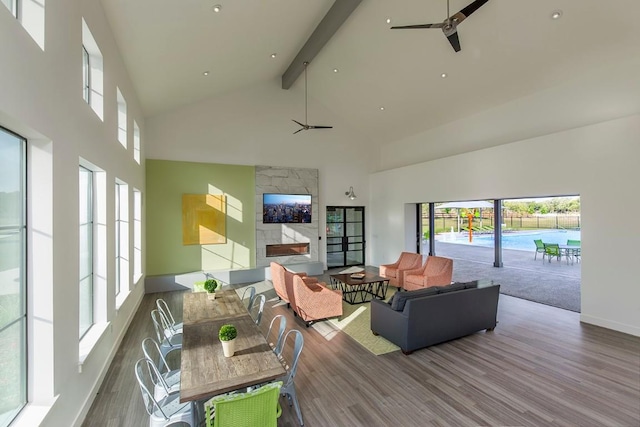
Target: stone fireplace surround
[(270, 179)]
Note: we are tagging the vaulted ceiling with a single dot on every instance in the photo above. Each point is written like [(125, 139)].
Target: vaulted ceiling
[(388, 83)]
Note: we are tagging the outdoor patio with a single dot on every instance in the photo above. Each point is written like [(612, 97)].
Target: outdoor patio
[(554, 283)]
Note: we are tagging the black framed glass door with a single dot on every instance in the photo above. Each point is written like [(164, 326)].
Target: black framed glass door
[(345, 236)]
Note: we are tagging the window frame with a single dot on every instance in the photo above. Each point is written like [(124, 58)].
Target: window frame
[(23, 314), (96, 73), (136, 142), (137, 235), (121, 115), (90, 217), (86, 75), (14, 7), (122, 276)]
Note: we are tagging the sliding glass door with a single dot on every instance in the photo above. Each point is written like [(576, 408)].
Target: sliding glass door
[(345, 236)]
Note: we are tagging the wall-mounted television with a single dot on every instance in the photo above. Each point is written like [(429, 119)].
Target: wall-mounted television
[(286, 208)]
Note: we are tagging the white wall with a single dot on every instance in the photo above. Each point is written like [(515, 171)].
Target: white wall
[(598, 162), (253, 126), (41, 98), (604, 91)]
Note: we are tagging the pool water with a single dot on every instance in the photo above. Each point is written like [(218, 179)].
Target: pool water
[(521, 240)]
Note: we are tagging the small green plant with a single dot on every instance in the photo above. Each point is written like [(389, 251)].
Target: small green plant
[(227, 332), (210, 285)]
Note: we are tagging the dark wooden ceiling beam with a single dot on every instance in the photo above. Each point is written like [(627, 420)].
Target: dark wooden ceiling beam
[(334, 18)]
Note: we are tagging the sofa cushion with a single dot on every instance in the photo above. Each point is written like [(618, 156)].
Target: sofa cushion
[(451, 288), (400, 298), (471, 285)]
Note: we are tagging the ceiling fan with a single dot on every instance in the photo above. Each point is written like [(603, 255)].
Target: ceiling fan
[(307, 126), (449, 25)]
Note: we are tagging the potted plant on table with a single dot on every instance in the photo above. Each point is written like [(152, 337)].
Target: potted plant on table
[(227, 335), (210, 285)]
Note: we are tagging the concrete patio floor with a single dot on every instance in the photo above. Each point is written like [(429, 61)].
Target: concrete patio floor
[(554, 283)]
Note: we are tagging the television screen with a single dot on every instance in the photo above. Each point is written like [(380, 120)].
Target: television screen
[(286, 208)]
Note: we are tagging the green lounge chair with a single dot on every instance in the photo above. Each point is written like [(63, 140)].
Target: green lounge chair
[(551, 250), (575, 252), (539, 248)]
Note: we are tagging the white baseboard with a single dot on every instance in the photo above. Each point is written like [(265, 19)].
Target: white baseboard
[(616, 326)]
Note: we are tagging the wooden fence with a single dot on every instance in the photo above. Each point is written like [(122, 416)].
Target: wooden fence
[(444, 222)]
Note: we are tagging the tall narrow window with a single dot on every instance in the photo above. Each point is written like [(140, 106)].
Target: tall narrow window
[(122, 118), (136, 142), (94, 278), (12, 5), (137, 235), (95, 71), (122, 241), (86, 75), (30, 14), (13, 312), (86, 250)]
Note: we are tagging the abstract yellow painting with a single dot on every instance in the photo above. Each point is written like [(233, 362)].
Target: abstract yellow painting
[(204, 219)]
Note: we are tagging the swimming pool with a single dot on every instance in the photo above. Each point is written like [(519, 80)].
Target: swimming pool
[(521, 240)]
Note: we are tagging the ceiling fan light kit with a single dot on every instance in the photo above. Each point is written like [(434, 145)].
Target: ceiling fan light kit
[(450, 25), (306, 125)]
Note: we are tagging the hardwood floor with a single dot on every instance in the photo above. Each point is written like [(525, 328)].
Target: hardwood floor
[(539, 367)]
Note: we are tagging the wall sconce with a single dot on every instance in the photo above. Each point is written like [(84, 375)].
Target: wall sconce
[(350, 194)]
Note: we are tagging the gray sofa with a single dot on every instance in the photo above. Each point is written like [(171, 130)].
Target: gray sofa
[(418, 319)]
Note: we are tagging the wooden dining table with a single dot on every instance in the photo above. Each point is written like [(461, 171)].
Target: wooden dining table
[(205, 371)]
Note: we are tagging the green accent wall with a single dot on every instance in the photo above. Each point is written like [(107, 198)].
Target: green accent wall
[(166, 182)]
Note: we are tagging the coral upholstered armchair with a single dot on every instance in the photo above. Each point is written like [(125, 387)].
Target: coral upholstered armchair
[(314, 301), (393, 272), (436, 271), (280, 279)]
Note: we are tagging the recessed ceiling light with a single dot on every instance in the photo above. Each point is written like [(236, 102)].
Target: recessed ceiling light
[(381, 108), (388, 20), (273, 55), (556, 14), (443, 75), (205, 73), (217, 8), (335, 70)]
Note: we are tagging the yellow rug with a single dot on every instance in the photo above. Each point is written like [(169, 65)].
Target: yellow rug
[(356, 322)]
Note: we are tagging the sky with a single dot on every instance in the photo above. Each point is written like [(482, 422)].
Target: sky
[(276, 199)]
